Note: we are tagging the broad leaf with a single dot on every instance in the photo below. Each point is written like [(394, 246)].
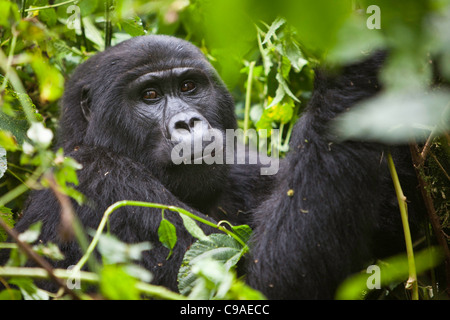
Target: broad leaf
[(167, 235), (218, 247)]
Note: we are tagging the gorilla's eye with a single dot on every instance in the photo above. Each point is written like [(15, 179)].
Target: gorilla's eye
[(187, 86), (149, 94)]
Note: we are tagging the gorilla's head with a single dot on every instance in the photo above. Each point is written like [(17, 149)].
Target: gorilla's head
[(141, 98)]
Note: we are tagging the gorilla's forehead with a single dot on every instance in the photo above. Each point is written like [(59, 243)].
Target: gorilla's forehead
[(157, 52)]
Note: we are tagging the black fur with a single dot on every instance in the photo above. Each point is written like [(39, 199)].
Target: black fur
[(306, 244), (125, 153)]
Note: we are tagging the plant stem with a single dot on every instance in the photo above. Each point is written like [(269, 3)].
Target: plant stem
[(51, 5), (123, 203), (412, 281), (86, 277), (108, 25), (248, 97)]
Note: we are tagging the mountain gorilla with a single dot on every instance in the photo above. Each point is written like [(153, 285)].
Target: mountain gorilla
[(120, 110)]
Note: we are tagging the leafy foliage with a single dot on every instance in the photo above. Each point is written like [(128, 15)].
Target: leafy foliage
[(266, 52)]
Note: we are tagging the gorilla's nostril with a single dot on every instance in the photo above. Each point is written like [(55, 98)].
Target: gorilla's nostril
[(182, 125), (192, 122)]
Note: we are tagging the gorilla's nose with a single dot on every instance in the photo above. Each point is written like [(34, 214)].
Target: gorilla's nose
[(188, 126)]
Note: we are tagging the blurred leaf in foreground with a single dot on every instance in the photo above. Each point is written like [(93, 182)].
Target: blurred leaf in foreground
[(392, 270), (396, 117)]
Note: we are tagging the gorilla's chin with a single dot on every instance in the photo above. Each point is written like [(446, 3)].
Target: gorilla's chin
[(193, 183)]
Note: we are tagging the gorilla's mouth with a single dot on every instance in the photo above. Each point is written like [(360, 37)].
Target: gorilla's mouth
[(204, 157)]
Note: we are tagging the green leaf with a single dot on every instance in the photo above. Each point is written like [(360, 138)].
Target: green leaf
[(48, 16), (133, 26), (8, 141), (50, 250), (219, 247), (192, 227), (394, 269), (242, 231), (117, 284), (285, 86), (167, 234), (10, 294), (294, 54), (29, 289), (115, 251), (3, 162), (51, 82), (395, 117), (17, 127), (7, 216), (273, 28), (32, 234)]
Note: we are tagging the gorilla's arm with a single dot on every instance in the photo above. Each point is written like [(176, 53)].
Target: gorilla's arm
[(306, 243)]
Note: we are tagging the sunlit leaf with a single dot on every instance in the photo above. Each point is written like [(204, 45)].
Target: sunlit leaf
[(32, 234), (219, 247), (117, 284), (167, 235), (391, 270), (192, 227)]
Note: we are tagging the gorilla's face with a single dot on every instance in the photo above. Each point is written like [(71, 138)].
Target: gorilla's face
[(149, 95)]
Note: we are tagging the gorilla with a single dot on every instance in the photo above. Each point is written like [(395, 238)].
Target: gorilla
[(326, 213)]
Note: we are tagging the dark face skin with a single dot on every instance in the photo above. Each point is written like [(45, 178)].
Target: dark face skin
[(177, 97), (143, 97)]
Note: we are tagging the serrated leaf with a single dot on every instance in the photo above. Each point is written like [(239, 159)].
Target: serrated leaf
[(6, 215), (294, 55), (17, 127), (219, 247), (273, 28), (167, 234), (282, 82)]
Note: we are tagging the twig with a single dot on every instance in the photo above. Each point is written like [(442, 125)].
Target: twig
[(88, 277), (51, 6), (123, 203), (432, 216), (70, 225), (248, 97), (108, 25), (440, 166), (38, 259)]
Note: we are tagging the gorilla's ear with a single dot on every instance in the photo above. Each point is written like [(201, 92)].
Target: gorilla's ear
[(85, 103)]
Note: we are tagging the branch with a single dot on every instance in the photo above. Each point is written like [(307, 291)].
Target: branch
[(37, 259), (432, 216), (87, 277)]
